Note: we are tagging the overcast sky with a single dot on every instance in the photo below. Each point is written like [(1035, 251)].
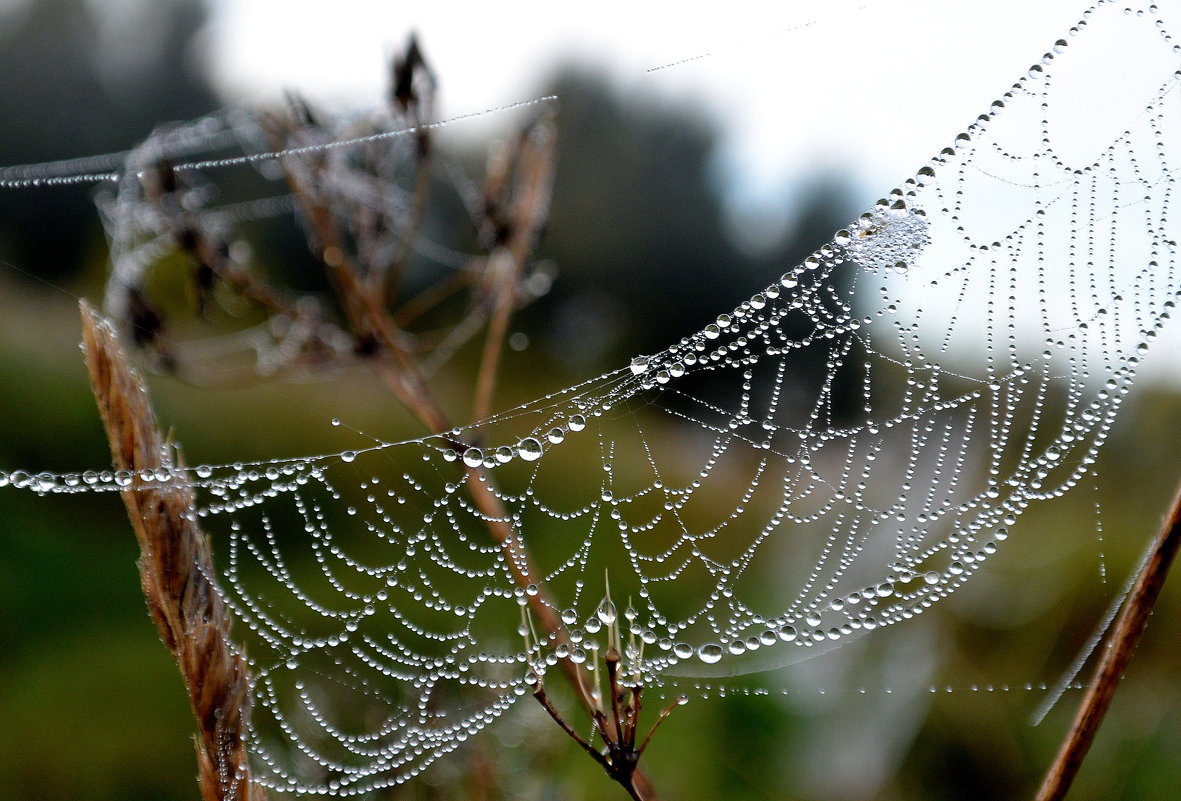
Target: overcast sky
[(875, 88)]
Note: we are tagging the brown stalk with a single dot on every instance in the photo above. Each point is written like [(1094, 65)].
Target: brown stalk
[(516, 236), (516, 205), (401, 373), (1118, 650), (432, 296), (620, 757), (384, 282), (175, 566), (520, 226)]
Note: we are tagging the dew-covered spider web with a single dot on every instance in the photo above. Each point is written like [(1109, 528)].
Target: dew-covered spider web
[(721, 504)]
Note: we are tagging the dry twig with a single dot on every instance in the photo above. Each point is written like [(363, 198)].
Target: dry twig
[(1117, 652), (175, 566), (362, 239)]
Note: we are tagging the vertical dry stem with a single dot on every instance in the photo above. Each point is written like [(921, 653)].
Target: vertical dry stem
[(175, 566), (1117, 652), (518, 221)]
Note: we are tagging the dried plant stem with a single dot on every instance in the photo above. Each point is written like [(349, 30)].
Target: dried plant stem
[(1118, 651), (517, 203), (517, 235), (175, 566)]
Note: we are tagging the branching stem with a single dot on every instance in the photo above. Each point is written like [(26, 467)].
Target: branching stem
[(1116, 654)]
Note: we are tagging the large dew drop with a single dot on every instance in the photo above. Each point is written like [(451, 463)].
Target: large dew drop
[(530, 449), (710, 653), (606, 612)]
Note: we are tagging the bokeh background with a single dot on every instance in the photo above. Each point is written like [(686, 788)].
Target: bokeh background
[(660, 220)]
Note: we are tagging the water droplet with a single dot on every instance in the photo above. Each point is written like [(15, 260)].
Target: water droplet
[(529, 449), (710, 653), (576, 422), (606, 612), (348, 456), (473, 457), (639, 365)]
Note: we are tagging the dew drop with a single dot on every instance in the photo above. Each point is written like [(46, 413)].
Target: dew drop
[(710, 653), (606, 612), (529, 449)]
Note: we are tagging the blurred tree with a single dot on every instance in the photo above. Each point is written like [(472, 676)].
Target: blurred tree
[(639, 231), (78, 79)]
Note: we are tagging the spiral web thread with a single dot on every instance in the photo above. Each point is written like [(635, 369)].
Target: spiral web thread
[(833, 456)]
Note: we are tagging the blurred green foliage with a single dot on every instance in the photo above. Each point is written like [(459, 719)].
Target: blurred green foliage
[(93, 708)]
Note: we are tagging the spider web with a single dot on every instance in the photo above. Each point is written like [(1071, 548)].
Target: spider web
[(721, 503)]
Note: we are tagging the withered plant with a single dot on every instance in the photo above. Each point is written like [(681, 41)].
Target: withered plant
[(362, 191)]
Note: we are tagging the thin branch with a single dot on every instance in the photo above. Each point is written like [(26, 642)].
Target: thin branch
[(517, 234), (1118, 651), (175, 567), (543, 699)]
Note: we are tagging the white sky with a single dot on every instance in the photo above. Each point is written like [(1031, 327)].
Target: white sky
[(875, 87)]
